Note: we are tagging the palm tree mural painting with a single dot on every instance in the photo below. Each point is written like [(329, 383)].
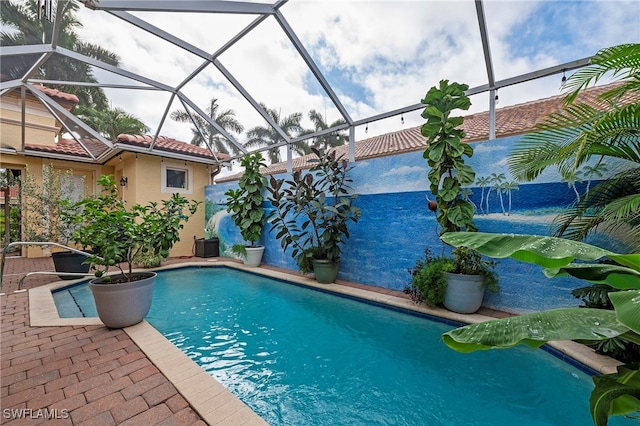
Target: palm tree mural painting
[(508, 187), (263, 136), (207, 135), (482, 182), (496, 182), (590, 172), (572, 180)]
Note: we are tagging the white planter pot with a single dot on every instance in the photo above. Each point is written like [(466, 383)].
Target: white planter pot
[(124, 304), (464, 293), (253, 256)]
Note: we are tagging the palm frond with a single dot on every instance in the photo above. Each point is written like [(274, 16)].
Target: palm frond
[(621, 60)]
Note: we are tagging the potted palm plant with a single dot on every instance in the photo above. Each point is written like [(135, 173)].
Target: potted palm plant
[(45, 205), (245, 205), (467, 274), (118, 235), (311, 214)]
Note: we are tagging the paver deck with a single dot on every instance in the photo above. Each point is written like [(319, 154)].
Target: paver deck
[(89, 374)]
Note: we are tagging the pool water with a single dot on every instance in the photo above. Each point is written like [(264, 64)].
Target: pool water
[(303, 357)]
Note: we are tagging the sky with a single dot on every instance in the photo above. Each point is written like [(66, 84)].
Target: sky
[(377, 55)]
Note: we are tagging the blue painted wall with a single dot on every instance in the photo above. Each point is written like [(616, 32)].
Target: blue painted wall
[(396, 225)]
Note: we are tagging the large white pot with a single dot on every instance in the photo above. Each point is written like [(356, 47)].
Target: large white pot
[(464, 293), (253, 256), (123, 304)]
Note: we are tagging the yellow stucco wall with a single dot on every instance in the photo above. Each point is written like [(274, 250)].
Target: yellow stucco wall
[(144, 184), (40, 124)]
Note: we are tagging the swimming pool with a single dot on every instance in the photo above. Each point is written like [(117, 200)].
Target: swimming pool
[(298, 356)]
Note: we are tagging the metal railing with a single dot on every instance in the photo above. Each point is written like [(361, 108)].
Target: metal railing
[(46, 243)]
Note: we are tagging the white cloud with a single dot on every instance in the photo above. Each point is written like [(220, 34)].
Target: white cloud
[(378, 55), (404, 171)]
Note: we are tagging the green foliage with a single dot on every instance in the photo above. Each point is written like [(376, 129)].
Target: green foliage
[(614, 394), (583, 132), (111, 122), (208, 135), (428, 282), (245, 203), (312, 210), (445, 155), (21, 26), (470, 262), (119, 234), (261, 136), (44, 207)]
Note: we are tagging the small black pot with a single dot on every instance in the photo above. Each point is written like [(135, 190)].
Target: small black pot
[(68, 261)]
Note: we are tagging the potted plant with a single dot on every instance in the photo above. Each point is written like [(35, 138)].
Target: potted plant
[(118, 235), (311, 214), (470, 274), (245, 205), (45, 206)]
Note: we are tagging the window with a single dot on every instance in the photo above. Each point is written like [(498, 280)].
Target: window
[(177, 178)]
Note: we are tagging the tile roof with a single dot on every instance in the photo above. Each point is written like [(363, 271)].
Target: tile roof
[(71, 147), (57, 95), (510, 121), (167, 144)]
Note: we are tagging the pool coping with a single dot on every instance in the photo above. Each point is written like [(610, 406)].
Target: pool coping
[(205, 394)]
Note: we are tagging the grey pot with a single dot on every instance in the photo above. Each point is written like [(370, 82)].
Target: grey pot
[(326, 271), (464, 293), (123, 304), (253, 256)]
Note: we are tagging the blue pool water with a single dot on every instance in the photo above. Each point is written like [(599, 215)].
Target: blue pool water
[(303, 357)]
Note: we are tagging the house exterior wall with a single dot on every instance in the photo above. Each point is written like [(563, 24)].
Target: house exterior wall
[(396, 225), (144, 185), (40, 128)]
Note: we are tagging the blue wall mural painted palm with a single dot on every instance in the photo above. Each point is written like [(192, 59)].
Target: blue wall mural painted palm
[(396, 225)]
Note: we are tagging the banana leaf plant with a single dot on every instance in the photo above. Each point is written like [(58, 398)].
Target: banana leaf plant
[(614, 394)]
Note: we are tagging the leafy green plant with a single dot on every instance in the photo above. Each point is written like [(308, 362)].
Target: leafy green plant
[(118, 234), (445, 155), (430, 282), (44, 205), (597, 296), (470, 262), (614, 394), (312, 210), (245, 203), (599, 131)]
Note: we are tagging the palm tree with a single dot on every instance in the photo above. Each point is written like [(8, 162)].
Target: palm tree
[(572, 180), (508, 187), (212, 137), (580, 132), (465, 193), (482, 182), (21, 26), (111, 122), (259, 137), (590, 172), (326, 141), (496, 181)]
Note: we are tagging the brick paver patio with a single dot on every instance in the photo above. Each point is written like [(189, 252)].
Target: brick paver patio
[(76, 375)]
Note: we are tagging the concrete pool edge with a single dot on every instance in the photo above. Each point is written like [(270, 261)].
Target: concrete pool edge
[(205, 394)]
